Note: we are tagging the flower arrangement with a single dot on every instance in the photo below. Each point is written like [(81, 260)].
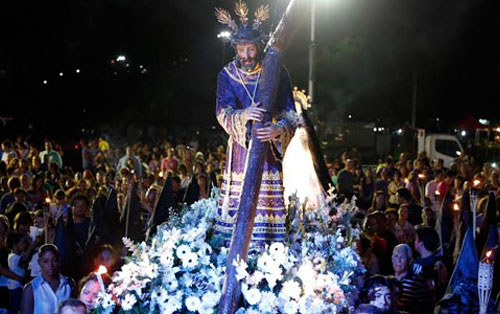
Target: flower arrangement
[(183, 268)]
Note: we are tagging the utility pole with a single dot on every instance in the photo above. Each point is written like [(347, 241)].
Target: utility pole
[(414, 101)]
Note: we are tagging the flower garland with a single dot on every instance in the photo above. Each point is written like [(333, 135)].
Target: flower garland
[(183, 267)]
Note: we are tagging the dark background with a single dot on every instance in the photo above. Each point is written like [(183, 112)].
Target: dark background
[(367, 52)]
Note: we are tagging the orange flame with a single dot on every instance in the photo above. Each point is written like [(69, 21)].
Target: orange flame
[(456, 207), (488, 254), (477, 182), (47, 200)]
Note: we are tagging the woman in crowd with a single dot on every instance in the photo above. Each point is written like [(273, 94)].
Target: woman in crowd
[(89, 290), (44, 293), (414, 295)]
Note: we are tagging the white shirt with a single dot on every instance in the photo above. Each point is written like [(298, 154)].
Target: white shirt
[(430, 192), (45, 299), (34, 266), (14, 267)]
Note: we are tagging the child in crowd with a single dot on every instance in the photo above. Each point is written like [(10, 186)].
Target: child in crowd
[(18, 243)]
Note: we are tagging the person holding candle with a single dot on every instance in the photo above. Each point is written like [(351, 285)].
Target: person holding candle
[(90, 287), (43, 294)]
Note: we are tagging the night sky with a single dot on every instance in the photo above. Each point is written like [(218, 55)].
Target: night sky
[(367, 52)]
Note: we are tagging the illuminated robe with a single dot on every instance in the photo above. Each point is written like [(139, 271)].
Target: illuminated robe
[(232, 99)]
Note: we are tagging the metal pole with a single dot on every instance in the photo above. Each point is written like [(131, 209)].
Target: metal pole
[(312, 48), (414, 102)]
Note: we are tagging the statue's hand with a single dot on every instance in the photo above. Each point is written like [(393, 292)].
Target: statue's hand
[(254, 113), (269, 132)]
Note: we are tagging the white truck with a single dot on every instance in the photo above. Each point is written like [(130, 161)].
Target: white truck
[(439, 146)]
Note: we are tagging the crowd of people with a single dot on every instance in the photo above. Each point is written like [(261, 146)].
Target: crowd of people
[(412, 225), (46, 203)]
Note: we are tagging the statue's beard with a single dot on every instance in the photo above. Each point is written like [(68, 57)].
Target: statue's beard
[(248, 64)]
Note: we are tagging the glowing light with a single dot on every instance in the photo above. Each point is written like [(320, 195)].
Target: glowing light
[(47, 200), (498, 130), (477, 182), (161, 174), (374, 129), (407, 181), (463, 133), (102, 270), (456, 207), (400, 131), (350, 116), (77, 71), (459, 153), (488, 254), (121, 58), (224, 35), (61, 74), (421, 176), (484, 121), (494, 165), (437, 193), (45, 82)]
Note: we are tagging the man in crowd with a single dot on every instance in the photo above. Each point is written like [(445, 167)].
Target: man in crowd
[(53, 156), (345, 180), (136, 162)]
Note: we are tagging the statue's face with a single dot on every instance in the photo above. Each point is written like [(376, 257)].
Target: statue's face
[(248, 55)]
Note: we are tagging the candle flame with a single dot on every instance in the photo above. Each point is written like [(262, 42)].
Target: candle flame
[(456, 207), (161, 174), (477, 182), (47, 200), (488, 254), (406, 180), (102, 270), (421, 176), (437, 192)]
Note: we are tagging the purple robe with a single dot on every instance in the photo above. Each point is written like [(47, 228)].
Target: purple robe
[(232, 99)]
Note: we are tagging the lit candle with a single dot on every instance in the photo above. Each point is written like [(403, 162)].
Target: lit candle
[(102, 270), (47, 200), (421, 176), (161, 174), (477, 183), (456, 207)]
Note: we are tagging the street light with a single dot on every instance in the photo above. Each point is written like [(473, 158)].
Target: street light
[(225, 36)]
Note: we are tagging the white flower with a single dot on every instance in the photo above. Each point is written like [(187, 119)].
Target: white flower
[(128, 302), (210, 299), (265, 262), (171, 283), (290, 290), (271, 278), (182, 251), (190, 260), (252, 296), (241, 268), (151, 270), (268, 302), (107, 301), (277, 248), (291, 307), (255, 278), (193, 303)]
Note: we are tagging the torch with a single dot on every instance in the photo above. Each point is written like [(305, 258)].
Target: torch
[(485, 282)]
